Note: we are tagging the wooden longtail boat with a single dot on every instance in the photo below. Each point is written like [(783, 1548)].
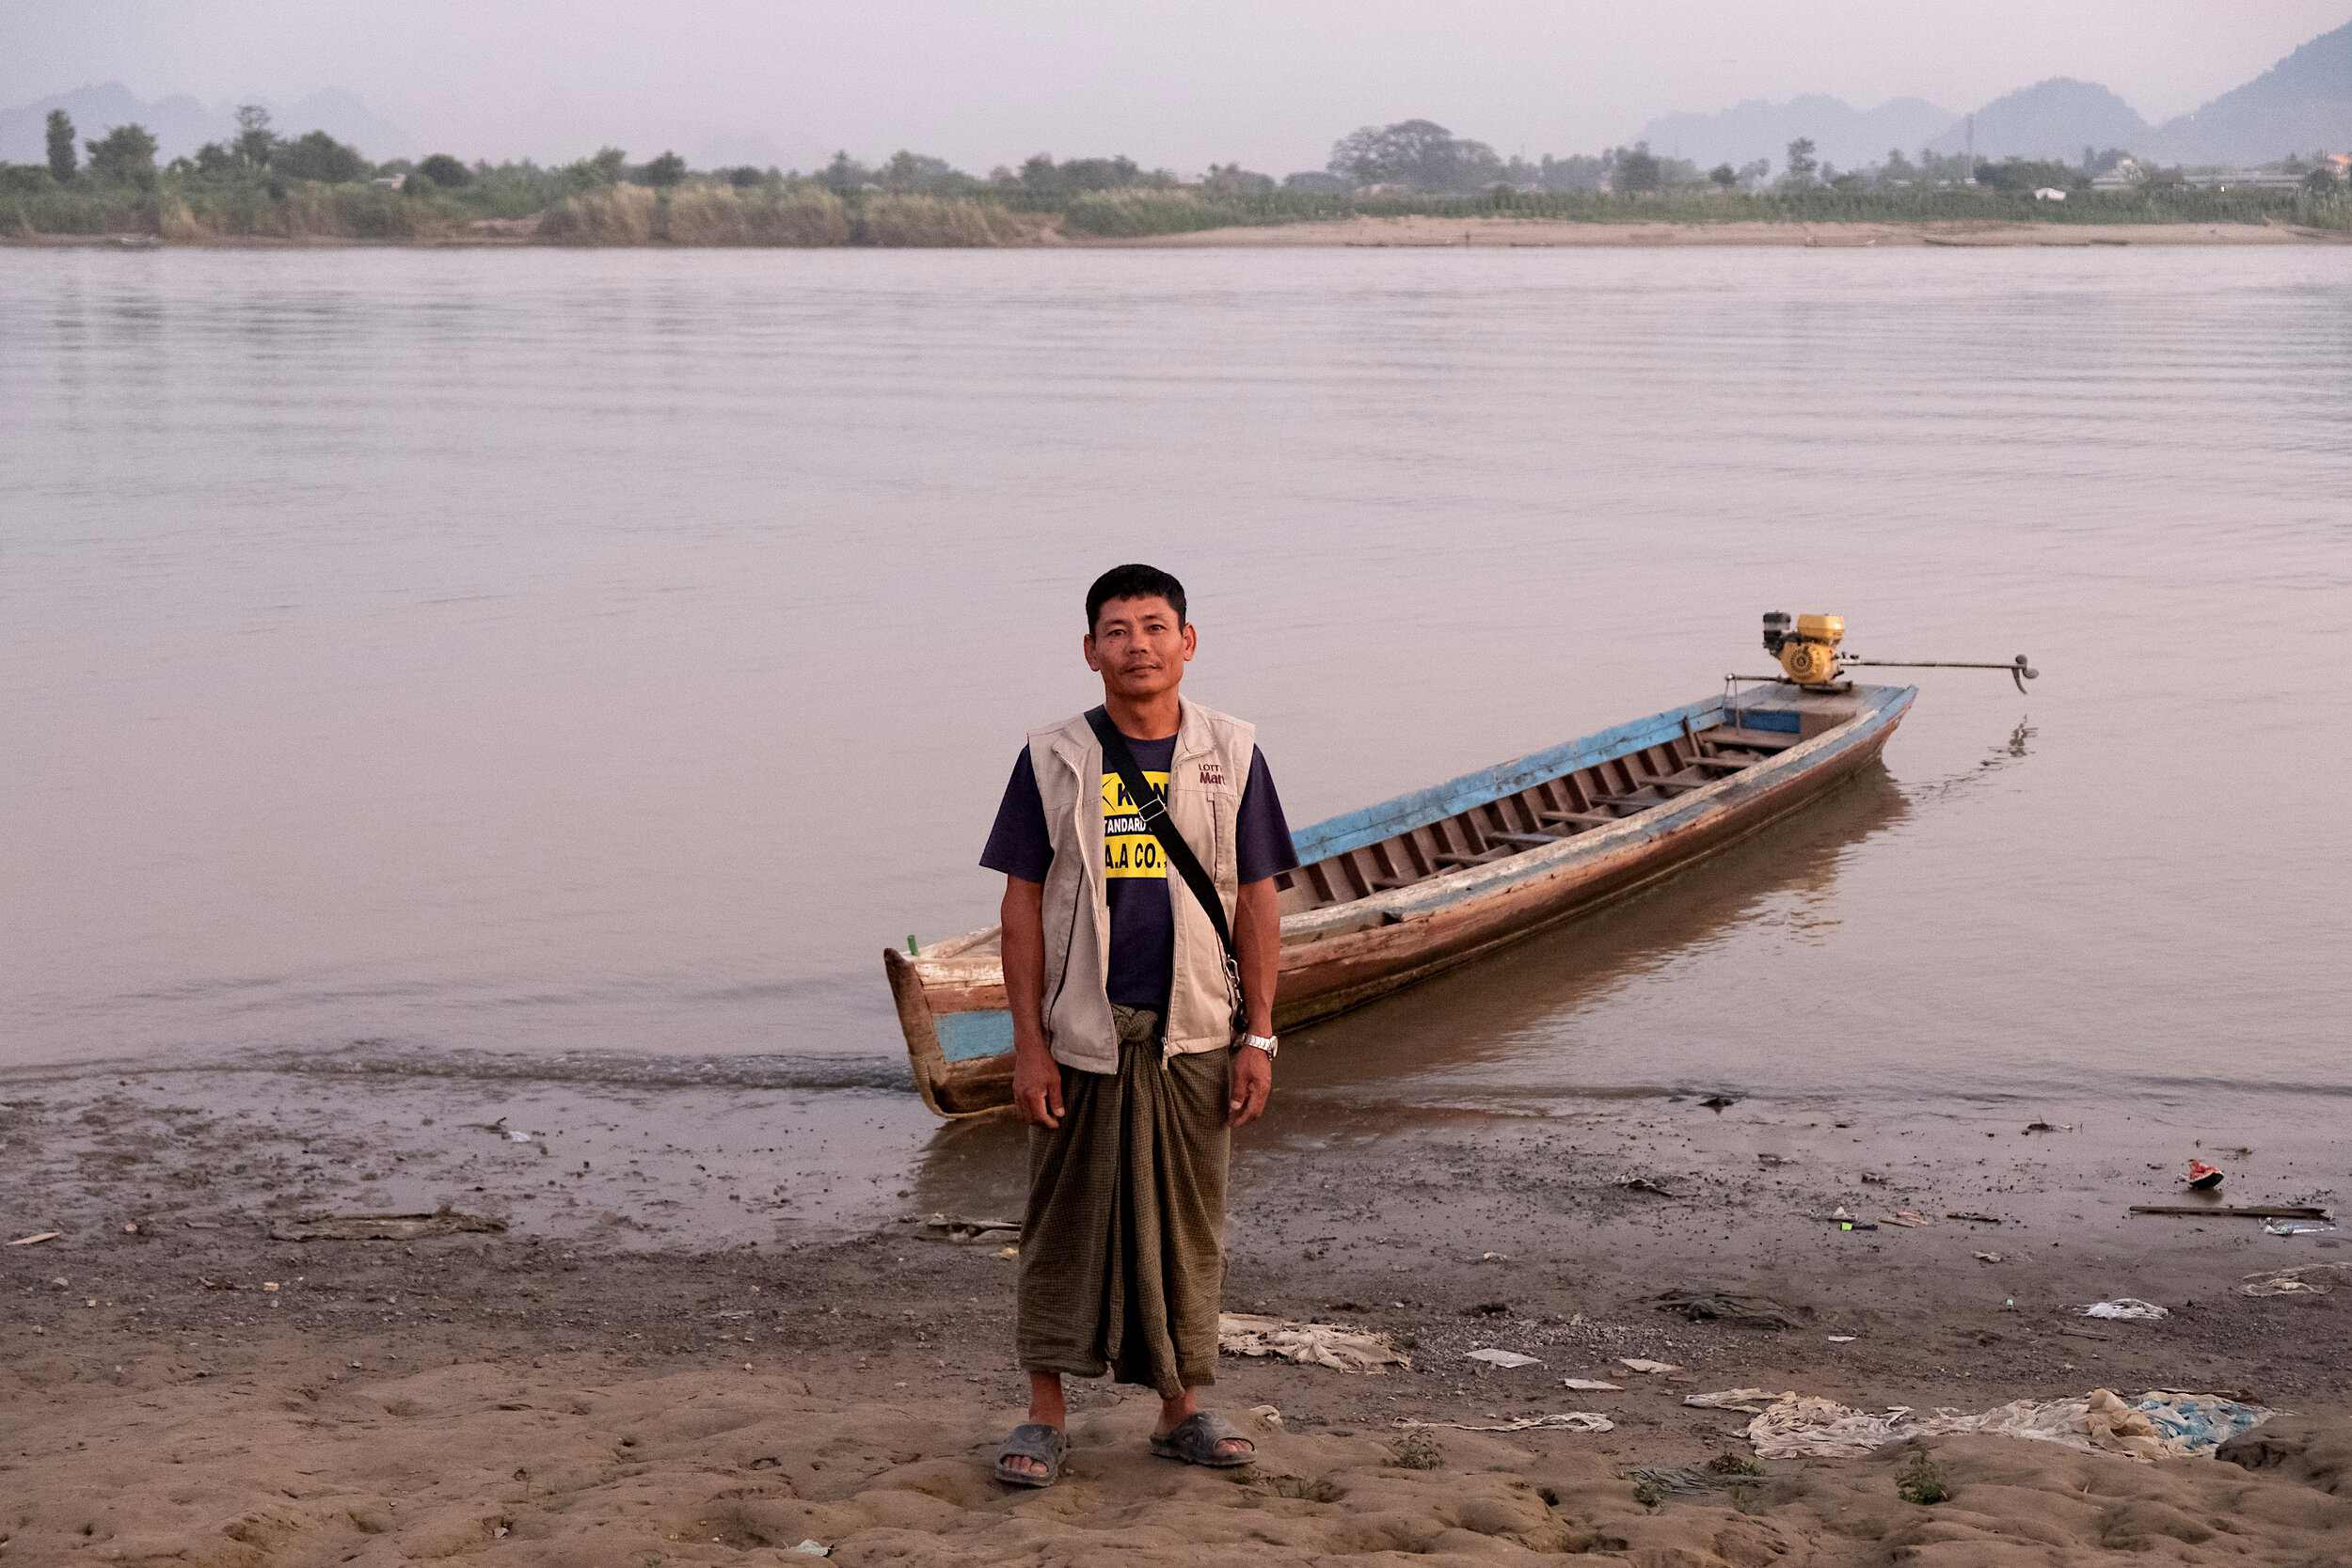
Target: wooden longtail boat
[(1396, 892)]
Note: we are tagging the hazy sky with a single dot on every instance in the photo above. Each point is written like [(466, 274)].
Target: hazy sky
[(1181, 86)]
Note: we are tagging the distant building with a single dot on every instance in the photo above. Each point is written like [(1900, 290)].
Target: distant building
[(2049, 193), (2125, 176)]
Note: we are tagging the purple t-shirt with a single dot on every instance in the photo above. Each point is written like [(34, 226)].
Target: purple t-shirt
[(1143, 927)]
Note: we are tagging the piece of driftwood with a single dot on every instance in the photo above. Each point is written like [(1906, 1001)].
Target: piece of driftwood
[(2244, 1211), (1732, 1307), (382, 1227)]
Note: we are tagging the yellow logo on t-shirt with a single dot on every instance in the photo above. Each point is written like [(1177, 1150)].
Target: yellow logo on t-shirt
[(1129, 848)]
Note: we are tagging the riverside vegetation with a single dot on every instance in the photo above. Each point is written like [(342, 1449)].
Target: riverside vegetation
[(260, 186)]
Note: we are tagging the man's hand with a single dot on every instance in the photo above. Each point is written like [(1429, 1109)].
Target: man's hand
[(1037, 1087), (1253, 1080)]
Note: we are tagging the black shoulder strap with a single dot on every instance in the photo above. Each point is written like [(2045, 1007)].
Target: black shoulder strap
[(1154, 809)]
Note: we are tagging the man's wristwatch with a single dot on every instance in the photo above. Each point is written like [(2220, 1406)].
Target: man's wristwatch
[(1262, 1043)]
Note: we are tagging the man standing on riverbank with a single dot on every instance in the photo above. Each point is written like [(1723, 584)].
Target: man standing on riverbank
[(1131, 1061)]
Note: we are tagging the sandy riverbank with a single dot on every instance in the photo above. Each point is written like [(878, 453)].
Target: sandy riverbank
[(605, 1391), (1435, 232), (1404, 233)]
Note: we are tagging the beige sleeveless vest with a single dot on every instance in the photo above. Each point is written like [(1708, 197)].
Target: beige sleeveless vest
[(1204, 785)]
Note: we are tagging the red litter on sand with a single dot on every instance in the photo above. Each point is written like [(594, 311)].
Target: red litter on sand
[(2203, 1177)]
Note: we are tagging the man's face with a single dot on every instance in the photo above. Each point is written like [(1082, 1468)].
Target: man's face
[(1139, 647)]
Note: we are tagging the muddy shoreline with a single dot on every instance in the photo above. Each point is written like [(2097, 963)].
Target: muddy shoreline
[(867, 1346)]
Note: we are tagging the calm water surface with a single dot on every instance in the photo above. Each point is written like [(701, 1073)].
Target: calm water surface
[(596, 659)]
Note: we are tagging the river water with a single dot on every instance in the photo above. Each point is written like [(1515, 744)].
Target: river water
[(581, 664)]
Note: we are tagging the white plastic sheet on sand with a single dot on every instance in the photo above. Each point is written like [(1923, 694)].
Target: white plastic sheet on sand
[(2161, 1424), (2311, 1280), (1564, 1421), (2126, 1308), (1342, 1350)]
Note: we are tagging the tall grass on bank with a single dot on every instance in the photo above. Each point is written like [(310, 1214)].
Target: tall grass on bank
[(791, 214), (801, 215), (191, 211), (1128, 215)]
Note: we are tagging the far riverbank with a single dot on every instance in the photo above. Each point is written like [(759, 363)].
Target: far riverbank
[(1416, 231)]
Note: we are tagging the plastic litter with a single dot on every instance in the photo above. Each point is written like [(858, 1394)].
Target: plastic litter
[(1643, 1185), (36, 1241), (2129, 1308), (2296, 1228), (1841, 1339), (2160, 1424), (1591, 1385), (1905, 1218), (1342, 1350), (1988, 1257), (1565, 1420), (2311, 1280), (1752, 1402), (1006, 1251), (813, 1548), (1971, 1217), (1503, 1357), (1652, 1367)]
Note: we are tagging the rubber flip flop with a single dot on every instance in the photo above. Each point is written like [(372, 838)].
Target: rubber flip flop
[(1194, 1438), (1045, 1444)]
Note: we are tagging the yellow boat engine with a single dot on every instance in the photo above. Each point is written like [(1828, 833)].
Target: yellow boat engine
[(1809, 650)]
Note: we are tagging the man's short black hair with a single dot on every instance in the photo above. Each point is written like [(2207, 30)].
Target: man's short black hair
[(1134, 580)]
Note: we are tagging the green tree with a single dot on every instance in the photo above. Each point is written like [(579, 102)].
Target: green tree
[(1417, 152), (1636, 168), (2023, 174), (1723, 175), (608, 163), (845, 175), (2321, 181), (1802, 165), (914, 171), (254, 141), (321, 157), (668, 169), (126, 156), (443, 170), (61, 158)]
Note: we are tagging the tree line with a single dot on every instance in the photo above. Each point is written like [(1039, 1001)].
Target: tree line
[(1408, 157)]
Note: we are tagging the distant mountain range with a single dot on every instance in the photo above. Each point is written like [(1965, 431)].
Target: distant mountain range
[(2301, 105), (181, 124)]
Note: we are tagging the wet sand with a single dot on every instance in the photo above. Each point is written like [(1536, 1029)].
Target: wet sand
[(606, 1385), (1413, 232), (1437, 233)]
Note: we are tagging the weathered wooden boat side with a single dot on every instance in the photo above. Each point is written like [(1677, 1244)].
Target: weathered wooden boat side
[(1398, 891)]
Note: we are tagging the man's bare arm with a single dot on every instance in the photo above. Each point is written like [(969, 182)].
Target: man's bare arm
[(1036, 1076), (1258, 947)]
